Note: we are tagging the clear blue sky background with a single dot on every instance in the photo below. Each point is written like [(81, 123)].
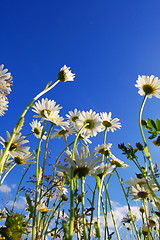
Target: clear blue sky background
[(107, 44)]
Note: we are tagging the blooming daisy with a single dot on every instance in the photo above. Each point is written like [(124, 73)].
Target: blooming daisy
[(83, 163), (117, 162), (91, 122), (24, 159), (15, 148), (127, 218), (104, 149), (42, 208), (108, 123), (37, 129), (3, 104), (102, 169), (73, 115), (140, 192), (65, 74), (45, 107), (141, 182), (55, 119), (5, 80), (63, 132), (148, 85)]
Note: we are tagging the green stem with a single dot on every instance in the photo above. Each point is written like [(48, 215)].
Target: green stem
[(83, 206), (71, 219), (146, 150)]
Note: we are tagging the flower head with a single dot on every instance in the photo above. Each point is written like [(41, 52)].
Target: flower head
[(117, 162), (91, 122), (15, 148), (148, 85), (83, 163), (65, 74), (62, 132), (108, 123), (45, 107), (23, 159), (102, 169), (5, 80), (73, 115), (104, 149), (37, 129), (3, 104)]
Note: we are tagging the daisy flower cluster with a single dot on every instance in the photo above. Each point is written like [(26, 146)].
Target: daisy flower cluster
[(5, 88), (17, 153)]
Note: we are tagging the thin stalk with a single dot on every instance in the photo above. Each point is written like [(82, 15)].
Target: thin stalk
[(99, 203), (129, 207), (83, 206), (71, 218), (146, 150), (111, 211), (5, 175)]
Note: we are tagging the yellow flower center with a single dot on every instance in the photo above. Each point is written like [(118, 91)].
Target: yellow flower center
[(81, 171), (63, 132), (18, 160), (13, 146), (36, 131), (148, 89), (90, 123), (74, 118), (142, 194), (107, 124), (44, 111)]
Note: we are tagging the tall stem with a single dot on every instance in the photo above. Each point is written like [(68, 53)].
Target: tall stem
[(83, 206)]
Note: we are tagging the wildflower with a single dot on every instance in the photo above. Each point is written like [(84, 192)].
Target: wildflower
[(140, 193), (55, 119), (85, 138), (37, 129), (45, 107), (73, 115), (3, 214), (145, 229), (108, 123), (102, 169), (24, 159), (15, 148), (65, 74), (62, 132), (142, 182), (91, 122), (3, 104), (148, 85), (42, 208), (104, 149), (83, 163), (5, 80), (117, 162)]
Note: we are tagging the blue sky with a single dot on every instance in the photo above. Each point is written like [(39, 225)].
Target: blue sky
[(107, 44)]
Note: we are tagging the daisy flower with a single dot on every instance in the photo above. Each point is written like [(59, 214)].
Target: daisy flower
[(5, 80), (55, 119), (73, 115), (24, 159), (108, 123), (104, 149), (45, 107), (140, 193), (148, 85), (102, 169), (65, 74), (37, 129), (63, 132), (15, 148), (42, 208), (117, 162), (92, 120), (141, 182), (83, 163), (3, 104)]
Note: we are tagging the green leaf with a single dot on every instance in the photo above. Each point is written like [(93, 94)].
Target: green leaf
[(158, 124), (151, 124)]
